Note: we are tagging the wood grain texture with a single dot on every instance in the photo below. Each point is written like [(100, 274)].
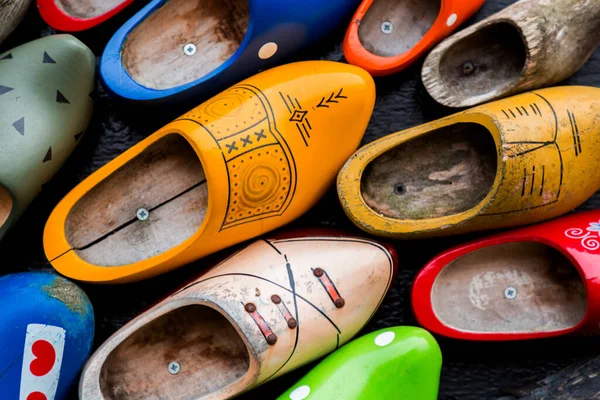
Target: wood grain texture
[(209, 351), (469, 294), (167, 180), (6, 204), (153, 53), (11, 13), (86, 9), (471, 371), (443, 172), (410, 21), (485, 61)]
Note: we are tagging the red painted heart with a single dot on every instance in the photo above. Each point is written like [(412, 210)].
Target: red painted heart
[(45, 358), (37, 396)]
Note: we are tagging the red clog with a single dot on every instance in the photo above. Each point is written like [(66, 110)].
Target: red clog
[(72, 16), (529, 283), (386, 36)]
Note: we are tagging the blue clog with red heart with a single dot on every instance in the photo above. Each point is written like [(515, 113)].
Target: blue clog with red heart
[(46, 334)]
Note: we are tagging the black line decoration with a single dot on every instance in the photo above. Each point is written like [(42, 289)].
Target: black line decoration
[(299, 116), (575, 133), (520, 148), (257, 189), (522, 111), (333, 99)]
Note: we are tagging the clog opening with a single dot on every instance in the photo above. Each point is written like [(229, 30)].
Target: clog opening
[(187, 353), (512, 287), (6, 205), (184, 40), (444, 172), (87, 9), (485, 62), (151, 204), (393, 27)]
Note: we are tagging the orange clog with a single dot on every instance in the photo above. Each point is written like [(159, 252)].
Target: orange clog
[(386, 36), (247, 161)]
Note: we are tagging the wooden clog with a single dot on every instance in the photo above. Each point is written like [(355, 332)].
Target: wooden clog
[(45, 103), (393, 363), (46, 336), (76, 15), (11, 14), (264, 311), (529, 45), (245, 162), (513, 162), (185, 49), (387, 36), (530, 283)]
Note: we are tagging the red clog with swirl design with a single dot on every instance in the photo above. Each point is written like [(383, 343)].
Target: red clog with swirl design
[(539, 281)]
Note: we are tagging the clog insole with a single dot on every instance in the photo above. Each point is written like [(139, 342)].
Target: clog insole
[(513, 287), (393, 27), (210, 354), (86, 9), (6, 204), (165, 183), (491, 59), (155, 55), (439, 173)]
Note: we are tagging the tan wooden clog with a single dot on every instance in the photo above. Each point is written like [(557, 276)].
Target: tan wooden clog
[(270, 308)]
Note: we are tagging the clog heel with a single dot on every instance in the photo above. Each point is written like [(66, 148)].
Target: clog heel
[(72, 16), (44, 98), (184, 49), (11, 14), (387, 36), (245, 162), (529, 283), (512, 162), (277, 304), (393, 363), (529, 45), (47, 335)]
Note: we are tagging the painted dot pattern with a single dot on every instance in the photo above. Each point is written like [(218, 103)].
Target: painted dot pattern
[(267, 51), (300, 393), (451, 19), (261, 176), (385, 338)]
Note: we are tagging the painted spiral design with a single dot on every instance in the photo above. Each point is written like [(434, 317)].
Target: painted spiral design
[(588, 240), (260, 185), (576, 233), (590, 243)]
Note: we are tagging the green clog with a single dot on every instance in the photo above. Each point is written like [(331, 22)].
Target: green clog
[(45, 106), (393, 363)]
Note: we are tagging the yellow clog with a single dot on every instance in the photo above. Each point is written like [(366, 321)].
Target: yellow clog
[(512, 162), (245, 162)]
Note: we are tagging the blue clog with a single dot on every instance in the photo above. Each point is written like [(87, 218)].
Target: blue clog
[(176, 49), (46, 334)]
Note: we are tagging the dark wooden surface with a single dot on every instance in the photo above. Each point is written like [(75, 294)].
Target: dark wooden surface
[(471, 370)]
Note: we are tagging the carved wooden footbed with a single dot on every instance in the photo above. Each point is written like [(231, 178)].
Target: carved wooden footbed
[(490, 59), (409, 20), (209, 353), (514, 287), (167, 181), (443, 172), (6, 204), (86, 9), (154, 52)]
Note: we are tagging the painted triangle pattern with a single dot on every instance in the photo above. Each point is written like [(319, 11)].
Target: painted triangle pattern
[(7, 57), (4, 89), (19, 125), (78, 136), (48, 155), (60, 98), (48, 59)]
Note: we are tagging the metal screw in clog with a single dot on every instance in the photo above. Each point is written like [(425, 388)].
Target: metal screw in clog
[(387, 27), (189, 49), (510, 293), (174, 368), (142, 214)]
